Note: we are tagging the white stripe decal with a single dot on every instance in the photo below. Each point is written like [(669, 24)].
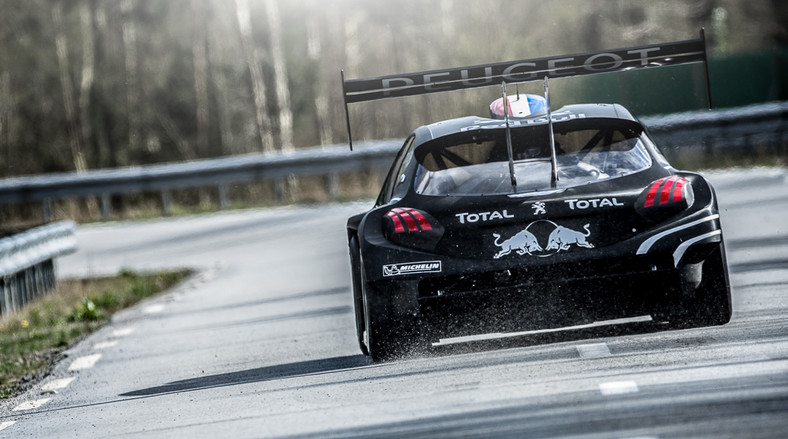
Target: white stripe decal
[(646, 246), (684, 245), (30, 405), (6, 424), (85, 362)]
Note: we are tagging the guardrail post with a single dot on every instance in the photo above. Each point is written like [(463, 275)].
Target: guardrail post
[(332, 183), (46, 210), (106, 207), (50, 281), (3, 296), (19, 290), (708, 146), (166, 203), (279, 190), (223, 202), (38, 275)]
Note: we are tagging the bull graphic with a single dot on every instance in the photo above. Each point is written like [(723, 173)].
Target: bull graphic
[(524, 242), (562, 238)]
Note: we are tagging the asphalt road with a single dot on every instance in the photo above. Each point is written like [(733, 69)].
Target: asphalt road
[(261, 344)]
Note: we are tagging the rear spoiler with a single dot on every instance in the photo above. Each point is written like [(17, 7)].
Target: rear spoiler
[(483, 75)]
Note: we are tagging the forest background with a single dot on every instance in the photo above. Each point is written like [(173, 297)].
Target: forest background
[(88, 84)]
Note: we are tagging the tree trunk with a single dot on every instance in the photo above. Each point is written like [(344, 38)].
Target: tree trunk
[(200, 61), (88, 68), (132, 85), (109, 45), (6, 122), (61, 46), (253, 58), (280, 77), (314, 52)]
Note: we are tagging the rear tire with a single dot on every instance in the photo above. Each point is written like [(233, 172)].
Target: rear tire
[(711, 305), (713, 296), (358, 293), (390, 336)]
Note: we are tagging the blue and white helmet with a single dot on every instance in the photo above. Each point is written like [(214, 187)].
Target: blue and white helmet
[(520, 105)]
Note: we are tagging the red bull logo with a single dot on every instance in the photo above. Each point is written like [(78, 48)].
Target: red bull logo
[(558, 238)]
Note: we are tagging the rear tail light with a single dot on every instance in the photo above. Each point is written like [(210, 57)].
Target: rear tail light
[(664, 198), (412, 228)]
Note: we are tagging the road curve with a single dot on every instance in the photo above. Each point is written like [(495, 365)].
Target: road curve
[(261, 344)]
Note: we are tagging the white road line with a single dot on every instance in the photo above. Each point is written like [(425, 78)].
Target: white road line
[(618, 388), (85, 362), (61, 383), (105, 345), (595, 350), (6, 424), (30, 405), (122, 332), (153, 309)]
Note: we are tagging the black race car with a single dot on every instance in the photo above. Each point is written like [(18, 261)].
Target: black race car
[(534, 219)]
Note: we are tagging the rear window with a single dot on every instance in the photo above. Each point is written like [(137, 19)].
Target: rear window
[(476, 163)]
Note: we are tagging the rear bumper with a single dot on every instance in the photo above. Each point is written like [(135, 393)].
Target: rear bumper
[(650, 274), (475, 297), (508, 301)]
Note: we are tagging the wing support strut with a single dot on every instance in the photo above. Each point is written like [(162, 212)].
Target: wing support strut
[(553, 161), (508, 137)]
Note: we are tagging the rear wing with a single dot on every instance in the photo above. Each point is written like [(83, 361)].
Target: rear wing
[(563, 66)]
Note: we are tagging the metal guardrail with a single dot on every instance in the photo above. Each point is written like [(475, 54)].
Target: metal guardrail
[(721, 129), (707, 131), (219, 173), (27, 268)]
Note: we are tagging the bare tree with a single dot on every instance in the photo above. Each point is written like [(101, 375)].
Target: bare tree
[(200, 61), (6, 114), (61, 47), (315, 54), (132, 85), (88, 68), (281, 85), (253, 61)]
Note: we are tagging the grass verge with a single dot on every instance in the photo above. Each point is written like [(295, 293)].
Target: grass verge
[(32, 340)]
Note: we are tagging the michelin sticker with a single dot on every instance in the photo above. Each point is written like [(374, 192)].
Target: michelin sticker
[(527, 241), (412, 268)]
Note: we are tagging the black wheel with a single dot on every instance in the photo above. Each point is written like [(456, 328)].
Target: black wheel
[(358, 299), (390, 336), (713, 296), (386, 340)]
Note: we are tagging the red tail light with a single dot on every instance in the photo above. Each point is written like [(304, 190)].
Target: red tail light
[(669, 190), (665, 197), (412, 218), (412, 228)]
